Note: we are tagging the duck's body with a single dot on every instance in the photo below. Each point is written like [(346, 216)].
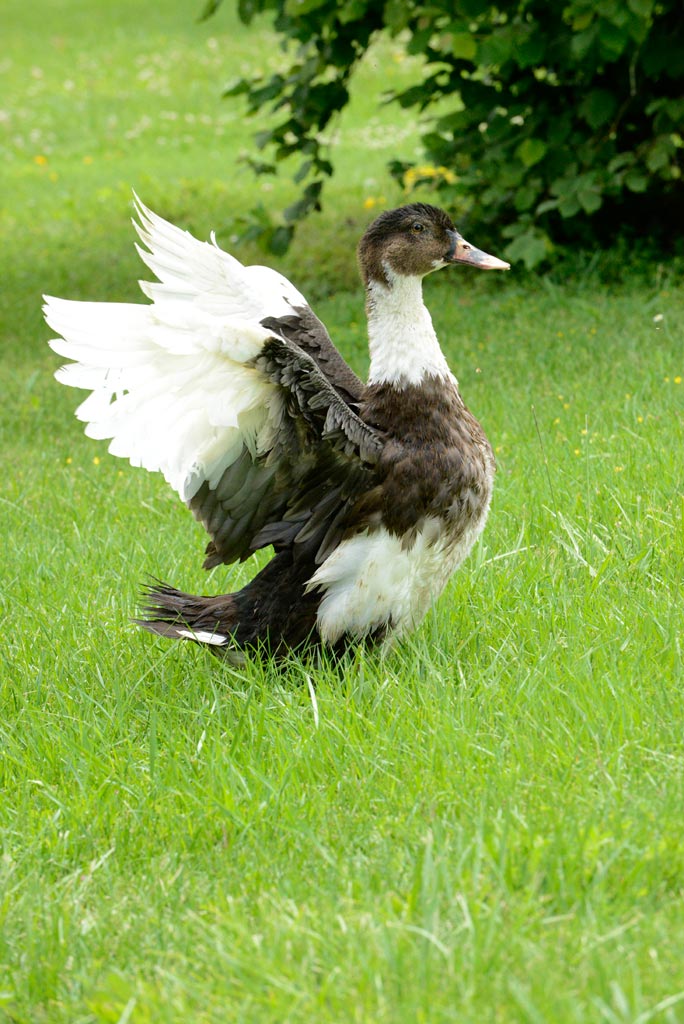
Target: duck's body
[(370, 494)]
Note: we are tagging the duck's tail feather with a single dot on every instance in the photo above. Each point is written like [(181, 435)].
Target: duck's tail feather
[(206, 620), (273, 612)]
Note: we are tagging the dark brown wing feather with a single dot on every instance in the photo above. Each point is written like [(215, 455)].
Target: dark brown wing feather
[(301, 491), (309, 334)]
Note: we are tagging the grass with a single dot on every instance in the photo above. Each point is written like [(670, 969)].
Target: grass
[(485, 824)]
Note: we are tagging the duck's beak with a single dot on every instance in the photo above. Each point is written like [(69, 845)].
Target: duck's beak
[(463, 252)]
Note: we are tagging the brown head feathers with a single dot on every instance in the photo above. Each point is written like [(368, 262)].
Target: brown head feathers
[(411, 240)]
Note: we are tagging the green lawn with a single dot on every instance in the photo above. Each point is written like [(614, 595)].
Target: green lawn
[(486, 824)]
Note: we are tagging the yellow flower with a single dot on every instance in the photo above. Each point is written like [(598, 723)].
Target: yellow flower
[(87, 159), (96, 460), (678, 380), (40, 160), (448, 175), (369, 203), (69, 460)]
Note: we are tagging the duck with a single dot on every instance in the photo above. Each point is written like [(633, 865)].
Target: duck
[(369, 495)]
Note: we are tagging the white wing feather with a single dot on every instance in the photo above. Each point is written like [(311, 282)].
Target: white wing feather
[(169, 381)]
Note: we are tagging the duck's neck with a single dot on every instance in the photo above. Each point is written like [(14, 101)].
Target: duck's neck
[(403, 345)]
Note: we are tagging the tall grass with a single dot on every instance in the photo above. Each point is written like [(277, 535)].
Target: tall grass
[(484, 824)]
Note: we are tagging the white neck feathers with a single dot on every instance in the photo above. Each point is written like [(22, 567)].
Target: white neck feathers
[(403, 344)]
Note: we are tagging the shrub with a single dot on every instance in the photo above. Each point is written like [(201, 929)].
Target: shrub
[(557, 124)]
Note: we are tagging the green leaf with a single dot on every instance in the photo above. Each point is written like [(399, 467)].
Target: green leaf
[(636, 180), (642, 8), (531, 247), (308, 201), (531, 151), (589, 200), (463, 45), (236, 87), (598, 107), (568, 205), (612, 40), (397, 16), (531, 50), (659, 154), (497, 47), (583, 41), (525, 196), (581, 19), (303, 170), (279, 241), (263, 138), (210, 7), (353, 10), (620, 161)]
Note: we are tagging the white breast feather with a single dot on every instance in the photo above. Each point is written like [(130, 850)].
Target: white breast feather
[(169, 383), (372, 579)]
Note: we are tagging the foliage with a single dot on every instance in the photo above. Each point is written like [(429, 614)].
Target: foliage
[(556, 123)]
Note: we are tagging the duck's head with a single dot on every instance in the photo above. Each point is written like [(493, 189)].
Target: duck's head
[(414, 240)]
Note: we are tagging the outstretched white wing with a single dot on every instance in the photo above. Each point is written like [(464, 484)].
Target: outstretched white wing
[(173, 384)]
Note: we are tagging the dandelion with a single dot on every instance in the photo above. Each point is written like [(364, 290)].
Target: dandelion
[(619, 469), (678, 380), (640, 419), (87, 159), (577, 451), (40, 160), (369, 203), (69, 460), (96, 460)]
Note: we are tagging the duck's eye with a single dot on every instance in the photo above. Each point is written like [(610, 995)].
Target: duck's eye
[(417, 227)]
